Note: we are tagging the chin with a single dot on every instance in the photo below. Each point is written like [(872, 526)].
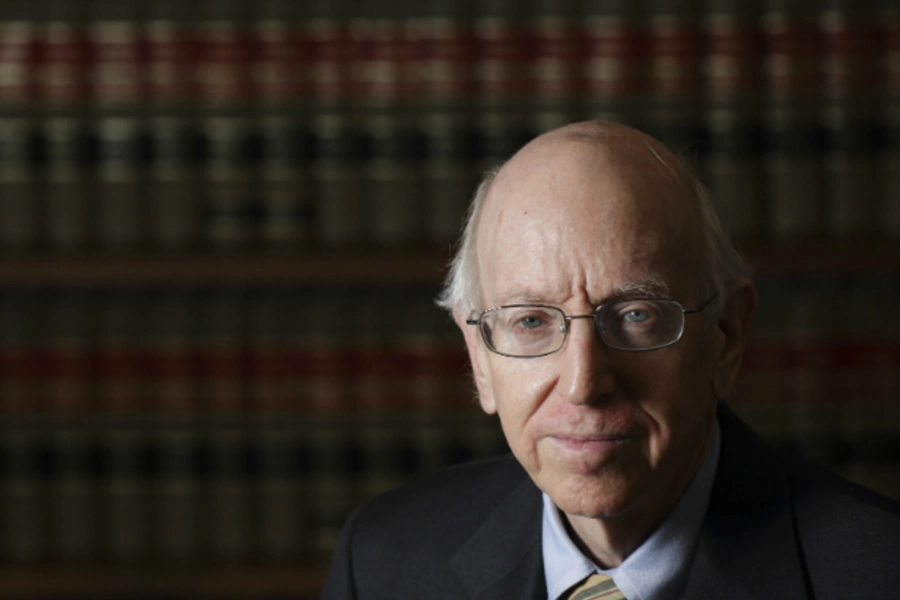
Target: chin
[(593, 498)]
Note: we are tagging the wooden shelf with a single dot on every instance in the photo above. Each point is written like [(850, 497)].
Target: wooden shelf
[(303, 583), (366, 266), (820, 258), (237, 269)]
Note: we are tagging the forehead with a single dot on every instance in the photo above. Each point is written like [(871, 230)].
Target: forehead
[(567, 215)]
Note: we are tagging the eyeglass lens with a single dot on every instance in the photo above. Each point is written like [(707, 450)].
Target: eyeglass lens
[(533, 330)]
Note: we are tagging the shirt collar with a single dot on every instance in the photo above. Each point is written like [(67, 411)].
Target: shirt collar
[(658, 568)]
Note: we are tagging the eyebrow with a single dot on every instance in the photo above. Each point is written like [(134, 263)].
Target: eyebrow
[(648, 287)]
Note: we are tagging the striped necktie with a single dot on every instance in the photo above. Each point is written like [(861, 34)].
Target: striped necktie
[(596, 587)]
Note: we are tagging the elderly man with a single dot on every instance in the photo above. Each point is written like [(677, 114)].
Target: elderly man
[(605, 314)]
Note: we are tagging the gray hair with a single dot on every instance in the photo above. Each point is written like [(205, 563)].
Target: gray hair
[(721, 264)]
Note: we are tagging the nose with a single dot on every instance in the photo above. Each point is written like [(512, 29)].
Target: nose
[(585, 373)]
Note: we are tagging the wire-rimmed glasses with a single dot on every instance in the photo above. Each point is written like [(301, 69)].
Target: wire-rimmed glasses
[(632, 325)]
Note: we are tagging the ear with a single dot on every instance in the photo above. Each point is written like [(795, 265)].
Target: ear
[(734, 326), (479, 359)]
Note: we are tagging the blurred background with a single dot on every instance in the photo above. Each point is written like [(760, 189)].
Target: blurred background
[(223, 224)]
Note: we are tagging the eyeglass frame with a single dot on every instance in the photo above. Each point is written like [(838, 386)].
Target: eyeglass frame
[(598, 327)]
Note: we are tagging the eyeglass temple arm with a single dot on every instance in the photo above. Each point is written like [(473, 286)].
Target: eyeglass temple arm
[(688, 311)]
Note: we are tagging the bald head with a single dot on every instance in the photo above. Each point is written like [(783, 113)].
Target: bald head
[(591, 190), (587, 192)]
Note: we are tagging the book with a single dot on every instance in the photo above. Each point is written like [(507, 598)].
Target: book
[(615, 61), (23, 518), (19, 214), (173, 374)]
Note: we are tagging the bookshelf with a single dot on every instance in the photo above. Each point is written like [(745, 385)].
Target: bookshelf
[(196, 198), (373, 266)]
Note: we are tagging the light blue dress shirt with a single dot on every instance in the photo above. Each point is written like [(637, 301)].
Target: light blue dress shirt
[(658, 568)]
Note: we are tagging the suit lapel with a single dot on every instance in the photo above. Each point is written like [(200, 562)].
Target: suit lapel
[(748, 549), (503, 558)]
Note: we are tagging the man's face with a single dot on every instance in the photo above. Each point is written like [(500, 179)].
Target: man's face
[(602, 431)]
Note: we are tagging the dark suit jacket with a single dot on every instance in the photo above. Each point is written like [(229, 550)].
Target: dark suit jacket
[(776, 528)]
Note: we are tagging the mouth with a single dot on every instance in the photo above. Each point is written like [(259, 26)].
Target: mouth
[(592, 444)]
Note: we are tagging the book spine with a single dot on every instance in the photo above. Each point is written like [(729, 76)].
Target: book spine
[(223, 89), (322, 343), (170, 53), (173, 215), (70, 389), (448, 177), (850, 85), (173, 361), (63, 61), (337, 179), (792, 133), (732, 86), (172, 186), (391, 180), (282, 175), (382, 55), (276, 53), (122, 380), (226, 181), (441, 81), (673, 92), (279, 502), (615, 61), (23, 531), (18, 196), (116, 49), (119, 183), (61, 93), (330, 54), (504, 53), (18, 63), (222, 396), (18, 54), (557, 61), (275, 77), (442, 55), (890, 175)]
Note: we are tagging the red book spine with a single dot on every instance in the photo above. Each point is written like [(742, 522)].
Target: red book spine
[(18, 59), (71, 385), (558, 58), (851, 83), (62, 64), (222, 369), (277, 60), (504, 52), (674, 51), (24, 522), (172, 366), (116, 49), (170, 55), (123, 384), (223, 59), (443, 52), (330, 56), (280, 505), (382, 55), (615, 64), (732, 84), (891, 122)]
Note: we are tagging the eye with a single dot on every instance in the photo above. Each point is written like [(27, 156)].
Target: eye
[(530, 322), (636, 315)]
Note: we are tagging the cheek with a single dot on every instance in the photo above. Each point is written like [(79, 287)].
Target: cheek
[(520, 390)]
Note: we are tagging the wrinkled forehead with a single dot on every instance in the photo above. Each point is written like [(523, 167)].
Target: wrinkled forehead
[(588, 208)]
